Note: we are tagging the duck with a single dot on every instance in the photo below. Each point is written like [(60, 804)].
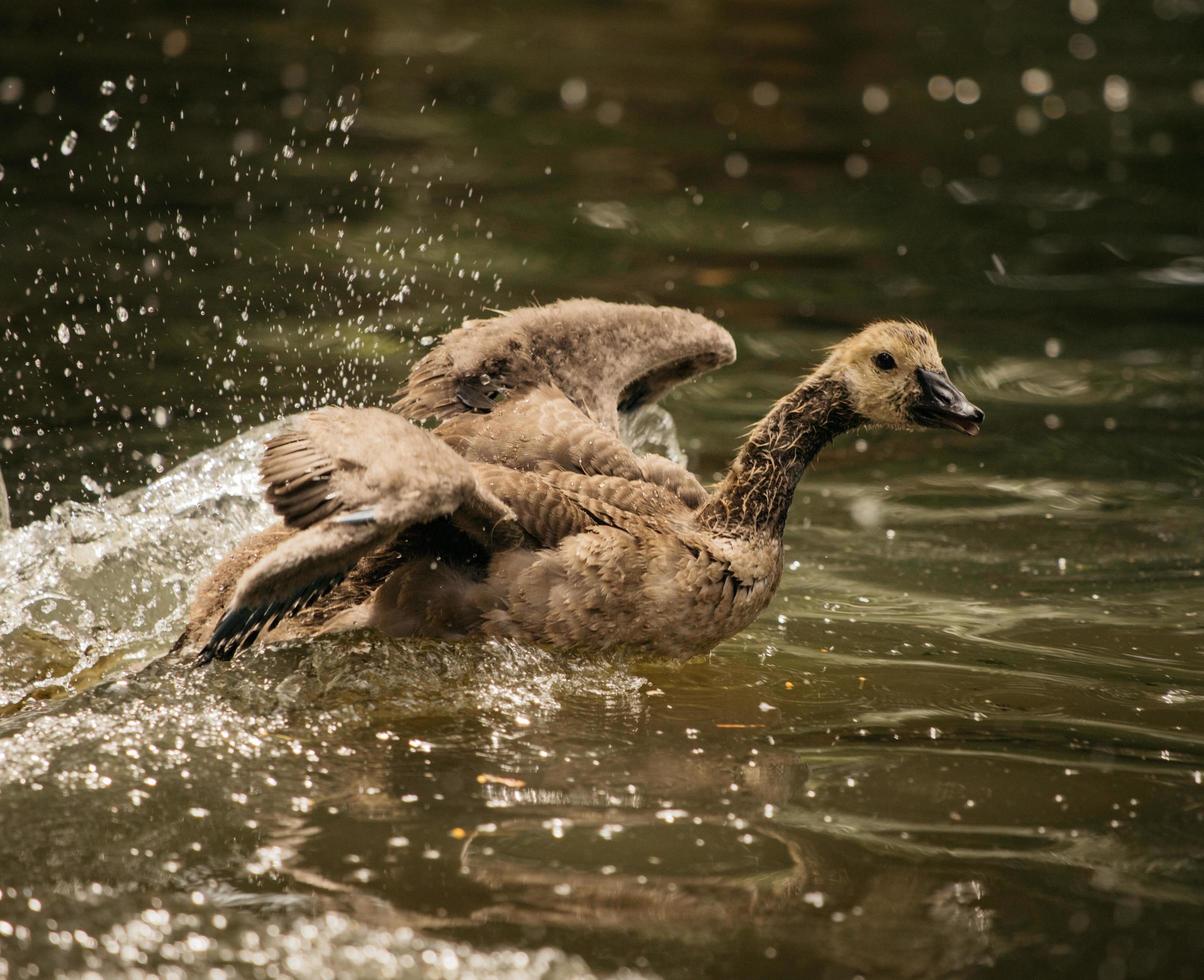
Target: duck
[(495, 499)]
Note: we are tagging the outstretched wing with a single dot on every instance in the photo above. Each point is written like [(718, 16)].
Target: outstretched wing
[(350, 479), (606, 358), (542, 388)]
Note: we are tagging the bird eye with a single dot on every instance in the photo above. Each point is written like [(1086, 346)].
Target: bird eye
[(883, 361)]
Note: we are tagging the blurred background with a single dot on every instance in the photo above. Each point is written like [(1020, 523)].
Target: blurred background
[(967, 739), (214, 215)]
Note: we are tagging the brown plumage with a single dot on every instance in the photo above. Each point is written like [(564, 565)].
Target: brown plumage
[(524, 516)]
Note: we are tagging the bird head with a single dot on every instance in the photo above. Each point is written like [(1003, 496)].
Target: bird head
[(895, 378)]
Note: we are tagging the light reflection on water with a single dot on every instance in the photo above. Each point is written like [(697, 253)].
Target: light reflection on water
[(965, 739)]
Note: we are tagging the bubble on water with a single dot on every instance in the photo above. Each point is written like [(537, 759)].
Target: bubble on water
[(122, 314), (64, 333), (109, 121), (107, 87), (68, 145)]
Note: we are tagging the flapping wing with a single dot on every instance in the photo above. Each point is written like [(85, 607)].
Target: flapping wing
[(350, 479), (606, 358)]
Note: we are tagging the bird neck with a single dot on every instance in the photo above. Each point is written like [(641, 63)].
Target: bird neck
[(756, 492)]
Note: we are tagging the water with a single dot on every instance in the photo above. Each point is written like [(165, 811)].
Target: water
[(965, 740)]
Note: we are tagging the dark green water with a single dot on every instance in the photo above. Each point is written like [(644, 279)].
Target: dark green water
[(967, 739)]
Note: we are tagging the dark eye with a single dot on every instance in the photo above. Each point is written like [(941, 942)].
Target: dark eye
[(883, 361)]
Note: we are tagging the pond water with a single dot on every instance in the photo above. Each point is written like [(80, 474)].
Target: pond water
[(967, 739)]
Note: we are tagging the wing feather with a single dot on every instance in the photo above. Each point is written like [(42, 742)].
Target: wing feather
[(365, 476), (606, 358)]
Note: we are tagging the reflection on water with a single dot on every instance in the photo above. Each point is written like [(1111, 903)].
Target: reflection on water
[(965, 740)]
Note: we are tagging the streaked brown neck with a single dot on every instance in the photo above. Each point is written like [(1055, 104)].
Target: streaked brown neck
[(755, 494)]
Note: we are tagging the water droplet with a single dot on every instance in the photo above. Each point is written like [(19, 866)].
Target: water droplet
[(875, 99), (1036, 81), (765, 94), (130, 82), (107, 87), (967, 91), (574, 93), (109, 121), (1116, 93), (64, 333), (68, 144), (122, 314), (1084, 11), (940, 88), (287, 152)]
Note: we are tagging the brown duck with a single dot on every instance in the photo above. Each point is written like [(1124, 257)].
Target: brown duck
[(523, 515)]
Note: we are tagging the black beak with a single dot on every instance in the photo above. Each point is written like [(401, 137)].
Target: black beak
[(942, 406)]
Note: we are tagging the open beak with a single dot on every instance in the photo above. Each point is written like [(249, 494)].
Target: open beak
[(942, 406)]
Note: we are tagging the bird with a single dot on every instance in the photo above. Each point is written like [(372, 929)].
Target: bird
[(495, 499)]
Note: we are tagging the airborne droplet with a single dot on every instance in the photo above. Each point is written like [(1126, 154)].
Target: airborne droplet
[(68, 145), (109, 121)]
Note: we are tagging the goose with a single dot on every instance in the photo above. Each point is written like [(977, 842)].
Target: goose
[(522, 515)]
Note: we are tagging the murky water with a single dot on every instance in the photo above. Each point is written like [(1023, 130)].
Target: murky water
[(967, 739)]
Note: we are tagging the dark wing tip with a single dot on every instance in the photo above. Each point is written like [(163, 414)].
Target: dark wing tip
[(240, 627)]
